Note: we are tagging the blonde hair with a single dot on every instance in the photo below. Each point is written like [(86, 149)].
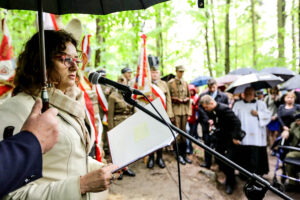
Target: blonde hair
[(290, 93)]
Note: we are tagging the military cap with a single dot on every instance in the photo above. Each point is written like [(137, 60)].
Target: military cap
[(180, 68), (126, 69)]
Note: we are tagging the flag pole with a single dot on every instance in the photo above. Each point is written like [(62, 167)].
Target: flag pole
[(44, 94)]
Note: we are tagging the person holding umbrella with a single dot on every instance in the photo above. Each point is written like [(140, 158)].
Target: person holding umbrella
[(68, 173)]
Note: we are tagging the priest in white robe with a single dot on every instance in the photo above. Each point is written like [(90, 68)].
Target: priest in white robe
[(254, 116)]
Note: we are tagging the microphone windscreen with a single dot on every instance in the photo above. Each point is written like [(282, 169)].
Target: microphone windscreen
[(93, 77)]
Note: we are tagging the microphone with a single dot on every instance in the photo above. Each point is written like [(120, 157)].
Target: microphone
[(97, 78)]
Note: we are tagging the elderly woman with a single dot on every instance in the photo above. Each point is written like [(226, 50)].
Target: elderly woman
[(68, 171), (286, 112)]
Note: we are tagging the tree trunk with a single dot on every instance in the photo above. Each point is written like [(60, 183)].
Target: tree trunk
[(99, 40), (207, 44), (159, 40), (281, 30), (254, 50), (294, 49), (214, 32), (227, 39)]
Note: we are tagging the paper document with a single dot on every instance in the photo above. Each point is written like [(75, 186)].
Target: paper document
[(139, 135)]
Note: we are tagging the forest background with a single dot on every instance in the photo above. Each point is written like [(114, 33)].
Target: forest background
[(223, 36)]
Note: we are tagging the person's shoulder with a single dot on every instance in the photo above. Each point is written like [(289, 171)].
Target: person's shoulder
[(171, 81), (161, 82)]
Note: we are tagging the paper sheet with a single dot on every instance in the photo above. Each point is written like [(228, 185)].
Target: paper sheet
[(138, 136)]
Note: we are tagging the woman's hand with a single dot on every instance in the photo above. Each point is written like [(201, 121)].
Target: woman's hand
[(285, 128), (97, 180), (285, 134)]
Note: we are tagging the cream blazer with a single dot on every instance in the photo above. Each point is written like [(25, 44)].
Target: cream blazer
[(62, 165)]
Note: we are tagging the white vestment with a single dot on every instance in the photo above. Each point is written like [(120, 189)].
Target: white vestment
[(255, 127)]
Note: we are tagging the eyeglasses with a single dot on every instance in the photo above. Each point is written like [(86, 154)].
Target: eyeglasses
[(69, 61)]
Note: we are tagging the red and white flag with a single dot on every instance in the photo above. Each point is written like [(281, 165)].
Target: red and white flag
[(50, 21), (85, 46), (143, 78), (7, 66)]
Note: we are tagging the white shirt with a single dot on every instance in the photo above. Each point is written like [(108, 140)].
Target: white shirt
[(254, 126)]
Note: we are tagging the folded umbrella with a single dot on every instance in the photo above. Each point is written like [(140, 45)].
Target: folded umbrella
[(291, 84), (282, 72), (256, 80)]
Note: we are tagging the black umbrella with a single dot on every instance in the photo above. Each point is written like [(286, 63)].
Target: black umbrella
[(255, 80), (282, 72), (243, 71), (168, 77), (291, 84), (100, 7)]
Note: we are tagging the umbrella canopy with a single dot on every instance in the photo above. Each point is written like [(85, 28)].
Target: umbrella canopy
[(256, 80), (168, 77), (201, 80), (243, 71), (98, 7), (227, 79), (291, 84), (282, 72)]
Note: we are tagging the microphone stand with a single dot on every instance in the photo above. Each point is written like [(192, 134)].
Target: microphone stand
[(255, 188)]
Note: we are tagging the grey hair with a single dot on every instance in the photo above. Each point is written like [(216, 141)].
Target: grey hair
[(206, 99)]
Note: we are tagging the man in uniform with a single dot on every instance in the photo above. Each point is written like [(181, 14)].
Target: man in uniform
[(161, 91), (127, 73), (180, 96), (205, 120)]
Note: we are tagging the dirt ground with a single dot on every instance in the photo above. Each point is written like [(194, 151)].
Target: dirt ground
[(197, 183)]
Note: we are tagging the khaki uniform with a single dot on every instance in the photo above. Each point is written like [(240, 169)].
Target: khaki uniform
[(118, 109), (179, 92), (295, 140), (165, 89)]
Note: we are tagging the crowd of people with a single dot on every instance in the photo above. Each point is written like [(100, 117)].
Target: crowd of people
[(242, 123)]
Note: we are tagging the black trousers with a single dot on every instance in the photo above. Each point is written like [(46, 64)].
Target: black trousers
[(228, 152), (208, 142)]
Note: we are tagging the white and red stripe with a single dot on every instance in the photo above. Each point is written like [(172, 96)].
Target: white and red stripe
[(85, 46), (50, 21), (103, 101), (159, 94)]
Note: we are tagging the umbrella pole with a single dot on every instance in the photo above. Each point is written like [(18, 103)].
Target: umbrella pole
[(44, 94)]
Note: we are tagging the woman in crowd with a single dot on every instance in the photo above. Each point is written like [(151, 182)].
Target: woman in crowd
[(286, 112), (68, 173), (272, 101)]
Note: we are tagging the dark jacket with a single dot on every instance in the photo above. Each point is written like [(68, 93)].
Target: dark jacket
[(20, 161), (227, 124), (203, 116)]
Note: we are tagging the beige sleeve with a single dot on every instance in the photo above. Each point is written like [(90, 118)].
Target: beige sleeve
[(169, 103), (110, 112), (67, 189)]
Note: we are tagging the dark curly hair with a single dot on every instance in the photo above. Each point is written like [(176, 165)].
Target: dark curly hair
[(29, 77)]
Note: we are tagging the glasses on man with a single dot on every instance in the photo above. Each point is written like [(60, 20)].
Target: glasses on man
[(69, 61)]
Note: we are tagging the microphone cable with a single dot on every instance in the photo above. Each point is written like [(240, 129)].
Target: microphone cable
[(176, 144)]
